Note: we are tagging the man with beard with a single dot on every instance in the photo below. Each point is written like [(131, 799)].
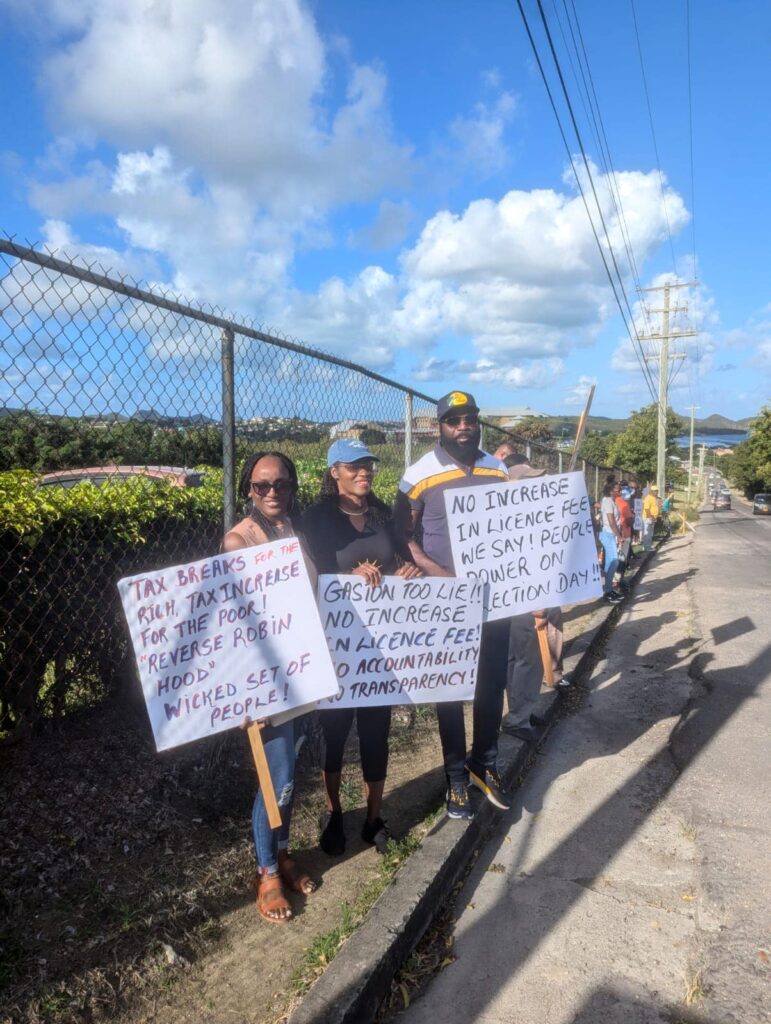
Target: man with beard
[(458, 461)]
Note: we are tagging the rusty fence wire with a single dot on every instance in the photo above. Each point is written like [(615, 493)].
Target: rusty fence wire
[(124, 416)]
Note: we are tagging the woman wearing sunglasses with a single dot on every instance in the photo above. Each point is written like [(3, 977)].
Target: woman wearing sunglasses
[(350, 530), (269, 484)]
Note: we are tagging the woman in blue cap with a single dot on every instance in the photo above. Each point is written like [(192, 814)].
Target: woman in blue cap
[(350, 530)]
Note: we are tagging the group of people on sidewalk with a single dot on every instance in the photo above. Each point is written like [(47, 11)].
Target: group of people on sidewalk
[(350, 530), (626, 515)]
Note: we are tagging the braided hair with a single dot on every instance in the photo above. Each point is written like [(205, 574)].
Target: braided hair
[(245, 492), (329, 494)]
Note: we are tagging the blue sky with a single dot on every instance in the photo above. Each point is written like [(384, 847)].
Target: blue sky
[(387, 181)]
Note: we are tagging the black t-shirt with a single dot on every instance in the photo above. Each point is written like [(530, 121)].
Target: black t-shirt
[(336, 546)]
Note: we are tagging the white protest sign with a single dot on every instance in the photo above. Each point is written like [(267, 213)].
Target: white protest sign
[(402, 642), (531, 541), (226, 638), (638, 518)]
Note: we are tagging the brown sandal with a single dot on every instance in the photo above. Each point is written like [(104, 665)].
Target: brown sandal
[(296, 879), (270, 898)]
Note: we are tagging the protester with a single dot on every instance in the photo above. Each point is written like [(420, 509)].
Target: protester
[(269, 484), (626, 514), (666, 508), (525, 666), (610, 538), (350, 530), (457, 461), (504, 449), (637, 505), (650, 515)]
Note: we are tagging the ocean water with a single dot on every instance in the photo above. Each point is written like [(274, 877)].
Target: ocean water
[(712, 440)]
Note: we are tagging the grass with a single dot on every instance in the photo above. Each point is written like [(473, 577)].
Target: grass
[(694, 988), (688, 830), (324, 948)]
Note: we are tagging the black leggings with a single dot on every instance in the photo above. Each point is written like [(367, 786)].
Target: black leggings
[(373, 725)]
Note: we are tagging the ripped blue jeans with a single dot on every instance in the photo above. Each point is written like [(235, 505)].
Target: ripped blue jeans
[(279, 743)]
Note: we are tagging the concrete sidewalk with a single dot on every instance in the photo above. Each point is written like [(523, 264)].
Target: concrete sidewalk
[(352, 987), (584, 909)]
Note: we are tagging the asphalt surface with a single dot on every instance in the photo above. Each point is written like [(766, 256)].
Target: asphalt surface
[(627, 885)]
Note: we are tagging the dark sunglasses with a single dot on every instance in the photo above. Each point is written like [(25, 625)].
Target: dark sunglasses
[(264, 487), (366, 465), (470, 420)]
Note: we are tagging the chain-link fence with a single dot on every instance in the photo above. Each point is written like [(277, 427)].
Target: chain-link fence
[(111, 396)]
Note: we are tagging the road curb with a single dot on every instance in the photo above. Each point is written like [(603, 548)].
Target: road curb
[(354, 984)]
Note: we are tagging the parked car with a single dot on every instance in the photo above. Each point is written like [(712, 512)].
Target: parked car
[(722, 501), (98, 475), (761, 505)]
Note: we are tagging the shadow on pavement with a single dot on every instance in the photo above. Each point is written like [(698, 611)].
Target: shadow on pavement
[(589, 849)]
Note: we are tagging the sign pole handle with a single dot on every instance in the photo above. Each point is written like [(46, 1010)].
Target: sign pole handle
[(543, 643), (580, 429), (263, 774)]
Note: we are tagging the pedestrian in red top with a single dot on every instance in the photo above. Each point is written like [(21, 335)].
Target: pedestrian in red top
[(626, 512)]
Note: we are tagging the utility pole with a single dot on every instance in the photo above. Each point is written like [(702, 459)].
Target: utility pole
[(702, 453), (664, 357), (692, 409)]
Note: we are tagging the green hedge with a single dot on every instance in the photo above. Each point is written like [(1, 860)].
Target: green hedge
[(61, 553)]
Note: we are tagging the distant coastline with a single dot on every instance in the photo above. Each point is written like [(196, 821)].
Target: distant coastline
[(718, 439)]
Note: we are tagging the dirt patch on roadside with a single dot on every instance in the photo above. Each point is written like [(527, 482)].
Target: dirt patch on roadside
[(127, 875)]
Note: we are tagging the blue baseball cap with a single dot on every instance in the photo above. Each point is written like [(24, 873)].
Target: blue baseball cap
[(349, 449)]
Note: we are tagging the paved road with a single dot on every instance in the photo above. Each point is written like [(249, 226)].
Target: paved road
[(627, 885)]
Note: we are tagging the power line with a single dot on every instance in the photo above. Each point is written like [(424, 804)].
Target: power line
[(634, 337), (690, 130), (653, 134), (608, 164)]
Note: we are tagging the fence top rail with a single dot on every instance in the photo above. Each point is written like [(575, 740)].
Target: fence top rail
[(50, 262)]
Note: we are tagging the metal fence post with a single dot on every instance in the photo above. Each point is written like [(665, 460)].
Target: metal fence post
[(596, 481), (407, 429), (228, 432), (559, 461), (528, 451)]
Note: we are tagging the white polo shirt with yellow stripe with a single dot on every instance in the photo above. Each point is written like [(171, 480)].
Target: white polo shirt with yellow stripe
[(424, 484)]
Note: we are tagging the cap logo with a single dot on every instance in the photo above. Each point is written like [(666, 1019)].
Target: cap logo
[(457, 398)]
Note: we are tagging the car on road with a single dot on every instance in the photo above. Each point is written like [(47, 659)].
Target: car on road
[(722, 501), (99, 475), (761, 505)]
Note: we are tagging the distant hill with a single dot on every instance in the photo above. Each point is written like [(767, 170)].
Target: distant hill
[(565, 426), (721, 425)]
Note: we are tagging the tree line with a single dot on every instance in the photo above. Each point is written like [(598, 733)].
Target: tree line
[(749, 465)]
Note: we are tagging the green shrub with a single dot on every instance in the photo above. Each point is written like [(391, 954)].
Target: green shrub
[(61, 554)]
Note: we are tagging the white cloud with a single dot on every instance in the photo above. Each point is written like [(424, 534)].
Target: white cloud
[(231, 154), (235, 90), (520, 279), (479, 137), (534, 374), (578, 394)]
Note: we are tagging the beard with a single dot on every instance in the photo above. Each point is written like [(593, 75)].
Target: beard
[(463, 451)]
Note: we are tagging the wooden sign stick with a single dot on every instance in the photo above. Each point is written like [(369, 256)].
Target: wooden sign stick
[(580, 430), (543, 643), (263, 774)]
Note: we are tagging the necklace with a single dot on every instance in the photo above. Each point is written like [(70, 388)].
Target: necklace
[(353, 514)]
